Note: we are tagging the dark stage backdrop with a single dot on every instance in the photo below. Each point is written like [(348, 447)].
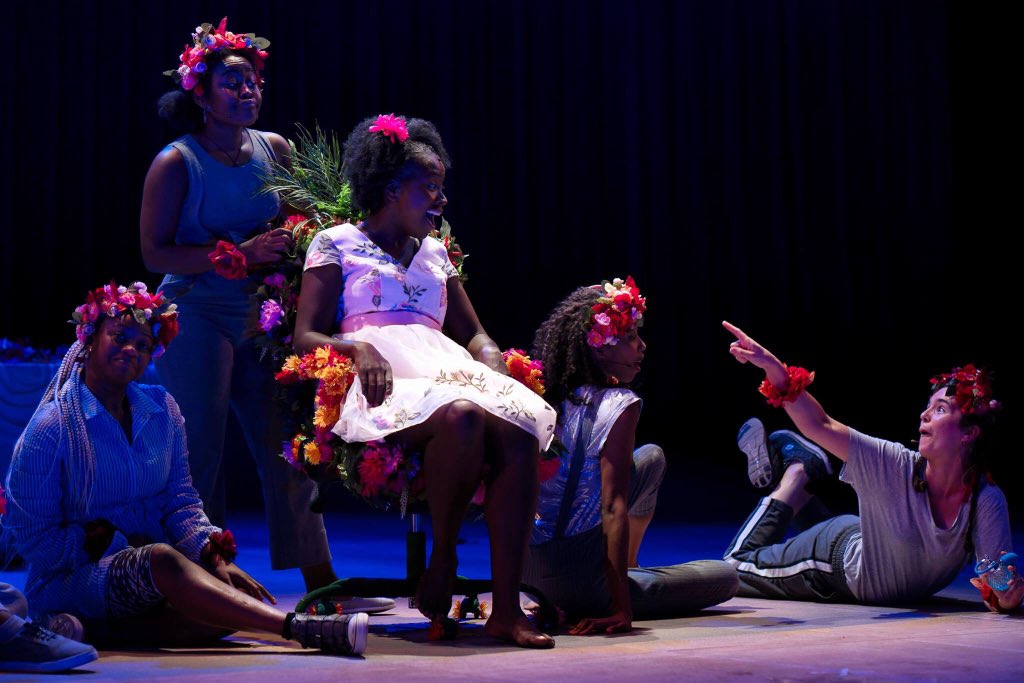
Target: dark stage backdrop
[(822, 173)]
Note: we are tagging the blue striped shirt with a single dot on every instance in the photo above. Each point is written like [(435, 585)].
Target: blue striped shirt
[(142, 487)]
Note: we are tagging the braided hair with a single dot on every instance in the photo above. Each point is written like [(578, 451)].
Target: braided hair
[(561, 344), (372, 161), (65, 392)]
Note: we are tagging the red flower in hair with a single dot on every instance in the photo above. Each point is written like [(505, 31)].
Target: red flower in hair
[(970, 387)]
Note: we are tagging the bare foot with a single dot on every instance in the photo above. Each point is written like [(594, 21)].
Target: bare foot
[(520, 631), (434, 594)]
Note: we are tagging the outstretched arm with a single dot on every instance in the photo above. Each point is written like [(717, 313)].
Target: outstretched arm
[(807, 414)]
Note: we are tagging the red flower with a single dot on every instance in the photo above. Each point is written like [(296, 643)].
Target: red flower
[(228, 261), (167, 329), (372, 472), (547, 468)]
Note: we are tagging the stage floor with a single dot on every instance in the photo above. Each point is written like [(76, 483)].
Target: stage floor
[(947, 638)]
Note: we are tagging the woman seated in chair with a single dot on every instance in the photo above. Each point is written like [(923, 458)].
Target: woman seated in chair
[(101, 505), (429, 376), (593, 513)]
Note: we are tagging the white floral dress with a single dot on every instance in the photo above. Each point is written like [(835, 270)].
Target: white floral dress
[(400, 311)]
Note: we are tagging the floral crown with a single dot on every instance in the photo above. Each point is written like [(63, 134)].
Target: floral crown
[(116, 302), (390, 126), (206, 40), (620, 307), (971, 387)]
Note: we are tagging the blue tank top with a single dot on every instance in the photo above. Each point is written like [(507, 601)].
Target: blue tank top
[(222, 203)]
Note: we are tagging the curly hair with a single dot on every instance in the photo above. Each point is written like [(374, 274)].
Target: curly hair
[(371, 161), (561, 344)]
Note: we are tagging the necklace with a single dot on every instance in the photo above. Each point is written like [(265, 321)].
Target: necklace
[(228, 155)]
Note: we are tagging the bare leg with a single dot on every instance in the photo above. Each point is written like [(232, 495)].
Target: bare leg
[(453, 467), (510, 508), (791, 488), (195, 592), (318, 576), (637, 529)]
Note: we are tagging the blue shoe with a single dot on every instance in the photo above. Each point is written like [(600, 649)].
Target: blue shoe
[(36, 650), (791, 448), (764, 466)]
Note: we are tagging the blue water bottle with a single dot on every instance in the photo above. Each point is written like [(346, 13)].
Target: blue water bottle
[(998, 574)]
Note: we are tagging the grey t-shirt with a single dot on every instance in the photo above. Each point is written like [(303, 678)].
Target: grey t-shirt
[(901, 554)]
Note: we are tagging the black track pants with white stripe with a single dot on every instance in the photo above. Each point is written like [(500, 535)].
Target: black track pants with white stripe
[(808, 566)]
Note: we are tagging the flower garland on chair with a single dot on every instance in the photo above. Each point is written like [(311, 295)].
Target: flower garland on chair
[(377, 471)]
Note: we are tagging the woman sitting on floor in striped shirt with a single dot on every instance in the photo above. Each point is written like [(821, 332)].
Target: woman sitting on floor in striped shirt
[(102, 508)]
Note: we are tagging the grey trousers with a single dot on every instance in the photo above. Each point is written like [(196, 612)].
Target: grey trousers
[(210, 368), (808, 566), (571, 571)]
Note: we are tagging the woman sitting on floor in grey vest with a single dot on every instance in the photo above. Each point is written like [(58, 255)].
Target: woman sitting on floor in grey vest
[(592, 514), (923, 515)]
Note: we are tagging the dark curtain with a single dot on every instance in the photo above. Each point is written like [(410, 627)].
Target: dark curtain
[(817, 172)]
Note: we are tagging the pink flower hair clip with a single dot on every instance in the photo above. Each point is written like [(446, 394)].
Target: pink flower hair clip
[(390, 126)]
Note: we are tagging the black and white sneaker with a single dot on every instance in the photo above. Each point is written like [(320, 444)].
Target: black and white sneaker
[(791, 447), (764, 466), (343, 634)]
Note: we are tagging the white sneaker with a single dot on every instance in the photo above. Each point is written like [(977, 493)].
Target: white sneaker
[(343, 634), (367, 605)]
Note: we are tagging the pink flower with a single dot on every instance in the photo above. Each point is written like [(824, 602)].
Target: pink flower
[(480, 495), (276, 280), (390, 126), (271, 314), (372, 472), (288, 453)]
